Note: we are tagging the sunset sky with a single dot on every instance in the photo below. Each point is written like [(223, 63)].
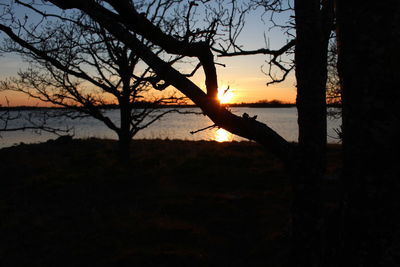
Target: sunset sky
[(242, 74)]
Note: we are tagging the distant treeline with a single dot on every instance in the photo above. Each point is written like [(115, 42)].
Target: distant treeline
[(259, 104), (264, 104)]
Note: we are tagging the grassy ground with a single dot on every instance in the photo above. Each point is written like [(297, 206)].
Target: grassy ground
[(177, 203)]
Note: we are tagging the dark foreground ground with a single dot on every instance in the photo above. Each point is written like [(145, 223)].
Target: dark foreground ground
[(177, 203)]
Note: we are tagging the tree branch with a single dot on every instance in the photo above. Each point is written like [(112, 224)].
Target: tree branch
[(264, 51)]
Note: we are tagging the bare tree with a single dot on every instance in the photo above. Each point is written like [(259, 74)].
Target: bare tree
[(76, 64)]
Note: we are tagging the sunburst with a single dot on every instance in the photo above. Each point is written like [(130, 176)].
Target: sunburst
[(225, 95)]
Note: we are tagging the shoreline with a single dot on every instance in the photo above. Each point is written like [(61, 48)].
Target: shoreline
[(51, 140)]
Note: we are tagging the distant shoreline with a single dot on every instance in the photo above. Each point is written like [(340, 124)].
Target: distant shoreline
[(244, 105)]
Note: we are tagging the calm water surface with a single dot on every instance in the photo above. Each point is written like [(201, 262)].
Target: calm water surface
[(173, 126)]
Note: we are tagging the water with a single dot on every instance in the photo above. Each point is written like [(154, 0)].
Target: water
[(172, 126)]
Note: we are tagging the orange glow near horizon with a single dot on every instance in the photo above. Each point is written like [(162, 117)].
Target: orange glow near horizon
[(232, 96), (244, 88)]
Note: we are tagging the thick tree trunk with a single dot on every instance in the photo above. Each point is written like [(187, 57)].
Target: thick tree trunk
[(369, 56), (309, 166)]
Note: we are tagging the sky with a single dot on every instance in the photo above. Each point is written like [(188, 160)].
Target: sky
[(242, 74)]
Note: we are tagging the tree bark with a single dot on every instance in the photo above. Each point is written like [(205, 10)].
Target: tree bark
[(309, 167), (369, 56)]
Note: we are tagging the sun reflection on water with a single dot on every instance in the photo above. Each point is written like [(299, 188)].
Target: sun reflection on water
[(222, 135)]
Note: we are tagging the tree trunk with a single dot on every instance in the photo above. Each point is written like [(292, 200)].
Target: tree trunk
[(309, 165), (124, 136), (369, 56), (124, 142)]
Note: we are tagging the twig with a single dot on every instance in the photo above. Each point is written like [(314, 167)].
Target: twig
[(203, 129)]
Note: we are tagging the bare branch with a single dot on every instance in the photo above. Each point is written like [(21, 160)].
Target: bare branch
[(264, 51), (203, 129)]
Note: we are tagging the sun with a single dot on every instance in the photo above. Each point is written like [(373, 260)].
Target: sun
[(225, 95)]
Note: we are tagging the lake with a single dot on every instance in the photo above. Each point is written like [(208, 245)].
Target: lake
[(172, 126)]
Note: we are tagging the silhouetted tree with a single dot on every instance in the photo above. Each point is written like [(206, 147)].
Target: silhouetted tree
[(313, 28), (368, 45), (74, 63)]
